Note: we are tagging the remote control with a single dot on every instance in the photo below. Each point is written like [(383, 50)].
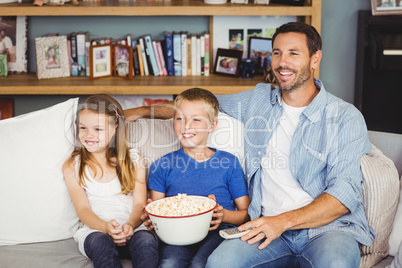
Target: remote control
[(232, 233)]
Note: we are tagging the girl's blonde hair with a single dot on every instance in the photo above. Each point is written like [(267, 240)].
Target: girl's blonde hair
[(200, 95), (104, 104)]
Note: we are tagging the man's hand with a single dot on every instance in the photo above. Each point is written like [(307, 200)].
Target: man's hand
[(268, 228)]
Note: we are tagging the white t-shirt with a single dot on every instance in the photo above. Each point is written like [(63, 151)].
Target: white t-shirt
[(279, 190)]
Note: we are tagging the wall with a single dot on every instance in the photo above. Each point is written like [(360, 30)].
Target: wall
[(338, 33)]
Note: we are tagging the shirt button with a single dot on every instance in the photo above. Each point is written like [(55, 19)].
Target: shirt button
[(248, 175), (259, 152), (269, 130), (319, 155)]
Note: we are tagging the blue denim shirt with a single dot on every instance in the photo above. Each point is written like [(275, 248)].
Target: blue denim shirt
[(325, 153)]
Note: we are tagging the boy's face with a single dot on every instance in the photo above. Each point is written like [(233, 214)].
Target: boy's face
[(192, 124)]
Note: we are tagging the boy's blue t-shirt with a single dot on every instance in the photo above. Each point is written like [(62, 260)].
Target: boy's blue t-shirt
[(221, 175)]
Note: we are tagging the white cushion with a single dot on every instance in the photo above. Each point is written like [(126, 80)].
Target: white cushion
[(35, 204), (380, 198), (396, 235)]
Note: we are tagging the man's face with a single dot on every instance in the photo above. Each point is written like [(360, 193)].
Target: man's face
[(291, 61)]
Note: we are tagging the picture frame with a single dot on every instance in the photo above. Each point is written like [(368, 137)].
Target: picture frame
[(15, 30), (386, 7), (288, 2), (52, 57), (123, 61), (100, 59), (260, 49), (6, 108), (228, 62)]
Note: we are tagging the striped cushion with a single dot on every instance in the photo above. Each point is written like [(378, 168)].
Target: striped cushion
[(380, 199)]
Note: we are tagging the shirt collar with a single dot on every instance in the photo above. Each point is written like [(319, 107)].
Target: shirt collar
[(312, 111)]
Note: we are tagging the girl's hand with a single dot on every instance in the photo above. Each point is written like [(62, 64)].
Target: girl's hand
[(145, 218), (217, 216), (114, 233), (127, 230)]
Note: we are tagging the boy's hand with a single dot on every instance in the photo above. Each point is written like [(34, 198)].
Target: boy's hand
[(145, 218), (217, 216)]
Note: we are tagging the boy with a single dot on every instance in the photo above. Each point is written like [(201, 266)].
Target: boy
[(196, 169)]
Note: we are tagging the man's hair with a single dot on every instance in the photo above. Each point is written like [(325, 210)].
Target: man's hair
[(314, 42), (203, 96)]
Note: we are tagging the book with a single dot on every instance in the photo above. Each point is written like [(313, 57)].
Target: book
[(206, 56), (81, 39), (140, 63), (74, 57), (198, 56), (87, 46), (144, 56), (183, 53), (161, 57), (158, 61), (136, 60), (189, 71), (151, 54), (177, 53), (169, 53), (193, 54), (202, 54)]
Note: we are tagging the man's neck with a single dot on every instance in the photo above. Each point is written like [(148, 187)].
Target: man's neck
[(301, 97)]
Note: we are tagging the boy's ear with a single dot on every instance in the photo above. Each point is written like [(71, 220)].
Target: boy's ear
[(213, 125)]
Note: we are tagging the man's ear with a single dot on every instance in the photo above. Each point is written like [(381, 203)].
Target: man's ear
[(213, 126), (316, 59)]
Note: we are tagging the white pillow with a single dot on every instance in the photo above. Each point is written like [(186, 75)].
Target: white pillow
[(35, 203), (396, 235)]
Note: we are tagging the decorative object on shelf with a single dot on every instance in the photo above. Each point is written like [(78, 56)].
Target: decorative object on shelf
[(247, 68), (13, 35), (7, 1), (6, 108), (269, 76), (228, 62), (386, 7), (123, 61), (239, 1), (100, 59), (288, 2), (261, 2), (52, 57), (215, 1), (3, 65), (260, 49), (224, 27)]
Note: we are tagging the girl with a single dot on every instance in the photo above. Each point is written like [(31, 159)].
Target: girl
[(108, 188)]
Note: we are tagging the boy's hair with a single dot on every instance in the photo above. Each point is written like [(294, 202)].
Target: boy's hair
[(201, 95), (314, 42), (104, 104)]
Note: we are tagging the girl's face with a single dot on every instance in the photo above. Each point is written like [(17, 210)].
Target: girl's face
[(192, 124), (95, 130), (51, 52)]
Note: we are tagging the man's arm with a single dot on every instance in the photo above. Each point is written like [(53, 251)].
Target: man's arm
[(161, 111), (323, 210)]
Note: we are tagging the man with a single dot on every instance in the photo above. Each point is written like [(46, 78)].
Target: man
[(303, 148), (5, 42)]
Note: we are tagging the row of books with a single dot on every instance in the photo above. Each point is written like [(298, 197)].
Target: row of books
[(179, 54)]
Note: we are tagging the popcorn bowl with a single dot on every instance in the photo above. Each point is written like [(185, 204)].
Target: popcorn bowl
[(182, 230)]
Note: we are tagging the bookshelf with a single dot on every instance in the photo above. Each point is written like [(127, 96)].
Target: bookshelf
[(28, 84)]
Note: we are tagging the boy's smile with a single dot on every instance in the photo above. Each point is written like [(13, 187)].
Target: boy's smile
[(192, 126)]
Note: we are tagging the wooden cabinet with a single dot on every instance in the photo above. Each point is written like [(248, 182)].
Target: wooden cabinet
[(29, 84)]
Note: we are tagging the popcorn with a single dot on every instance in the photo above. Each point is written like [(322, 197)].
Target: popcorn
[(180, 205)]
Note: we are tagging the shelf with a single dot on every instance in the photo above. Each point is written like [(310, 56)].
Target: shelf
[(28, 84), (153, 8)]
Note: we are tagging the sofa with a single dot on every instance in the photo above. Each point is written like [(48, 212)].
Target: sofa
[(38, 219)]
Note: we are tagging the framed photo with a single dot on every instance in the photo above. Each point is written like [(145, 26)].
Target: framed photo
[(260, 49), (52, 57), (100, 59), (6, 108), (123, 61), (386, 7), (228, 62), (13, 32)]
